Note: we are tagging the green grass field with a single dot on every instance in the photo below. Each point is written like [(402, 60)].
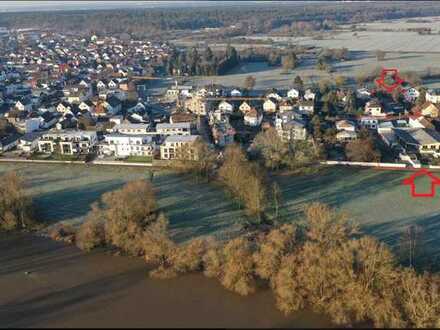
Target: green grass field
[(376, 199)]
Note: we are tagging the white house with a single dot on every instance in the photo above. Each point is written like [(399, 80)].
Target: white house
[(226, 107), (345, 136), (63, 107), (235, 93), (274, 95), (173, 129), (68, 142), (374, 108), (309, 95), (244, 107), (123, 145), (86, 106), (131, 129), (270, 105), (293, 93), (411, 94), (363, 93), (253, 118), (25, 105), (345, 125), (433, 95)]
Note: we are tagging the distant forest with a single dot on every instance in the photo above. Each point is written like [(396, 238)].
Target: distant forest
[(260, 18)]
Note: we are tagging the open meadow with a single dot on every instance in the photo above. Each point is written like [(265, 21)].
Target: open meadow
[(64, 193), (376, 199), (405, 50)]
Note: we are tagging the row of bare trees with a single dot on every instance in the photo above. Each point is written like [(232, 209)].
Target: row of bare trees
[(245, 180), (322, 265)]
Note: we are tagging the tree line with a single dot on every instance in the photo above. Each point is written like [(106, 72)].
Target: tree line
[(247, 19), (209, 63), (190, 62)]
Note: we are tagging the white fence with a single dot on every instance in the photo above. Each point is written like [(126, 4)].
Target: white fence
[(367, 164), (116, 163), (80, 162), (42, 161)]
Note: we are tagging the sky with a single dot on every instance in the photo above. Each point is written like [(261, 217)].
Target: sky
[(17, 6)]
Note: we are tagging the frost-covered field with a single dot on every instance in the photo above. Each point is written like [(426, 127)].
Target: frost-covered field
[(369, 41), (64, 193), (376, 199)]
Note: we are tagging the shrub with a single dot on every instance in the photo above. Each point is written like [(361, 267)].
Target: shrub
[(62, 232)]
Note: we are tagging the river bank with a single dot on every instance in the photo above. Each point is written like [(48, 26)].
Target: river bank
[(48, 284)]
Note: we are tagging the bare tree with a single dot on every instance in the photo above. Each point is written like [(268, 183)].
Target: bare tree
[(249, 82), (15, 204)]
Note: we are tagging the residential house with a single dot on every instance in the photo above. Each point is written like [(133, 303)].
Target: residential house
[(63, 107), (196, 105), (28, 143), (419, 121), (363, 93), (131, 129), (433, 95), (270, 105), (86, 106), (226, 107), (309, 95), (8, 142), (425, 141), (410, 94), (274, 95), (174, 129), (175, 91), (427, 109), (346, 136), (124, 145), (177, 146), (236, 93), (182, 117), (293, 93), (290, 129), (67, 142), (253, 118), (244, 107), (306, 107), (286, 105), (223, 133), (374, 108), (345, 125), (368, 122), (24, 105)]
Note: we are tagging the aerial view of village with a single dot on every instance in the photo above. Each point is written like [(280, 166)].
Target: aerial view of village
[(219, 164)]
